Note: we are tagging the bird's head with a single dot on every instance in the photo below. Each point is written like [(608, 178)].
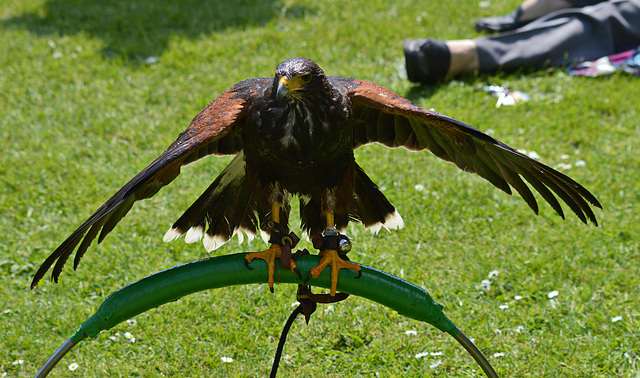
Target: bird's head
[(299, 79)]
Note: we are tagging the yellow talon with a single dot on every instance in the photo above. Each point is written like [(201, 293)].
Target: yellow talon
[(270, 255), (331, 257)]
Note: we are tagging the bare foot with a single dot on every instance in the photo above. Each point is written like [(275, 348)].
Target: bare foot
[(532, 9), (464, 57)]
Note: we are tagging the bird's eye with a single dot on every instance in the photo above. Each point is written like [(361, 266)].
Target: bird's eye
[(306, 77)]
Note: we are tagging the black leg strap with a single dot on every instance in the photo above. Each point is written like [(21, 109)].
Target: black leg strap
[(286, 240)]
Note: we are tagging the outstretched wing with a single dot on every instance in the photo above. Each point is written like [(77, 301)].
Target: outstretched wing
[(389, 119), (214, 131)]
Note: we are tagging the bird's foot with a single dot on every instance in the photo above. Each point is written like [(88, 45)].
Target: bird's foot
[(268, 255), (332, 246), (332, 258), (280, 248)]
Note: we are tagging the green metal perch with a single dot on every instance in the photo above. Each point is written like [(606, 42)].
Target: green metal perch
[(174, 283)]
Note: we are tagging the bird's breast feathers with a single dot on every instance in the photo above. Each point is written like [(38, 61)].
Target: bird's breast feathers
[(302, 129), (298, 125)]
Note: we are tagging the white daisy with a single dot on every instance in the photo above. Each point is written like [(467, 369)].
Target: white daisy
[(130, 337), (288, 359), (435, 364)]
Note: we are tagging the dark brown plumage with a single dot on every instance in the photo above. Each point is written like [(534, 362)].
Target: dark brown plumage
[(295, 134)]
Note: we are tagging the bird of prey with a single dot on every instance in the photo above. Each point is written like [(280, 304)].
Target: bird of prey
[(295, 135)]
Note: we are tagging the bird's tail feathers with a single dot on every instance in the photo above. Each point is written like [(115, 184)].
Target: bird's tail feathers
[(225, 209), (371, 207)]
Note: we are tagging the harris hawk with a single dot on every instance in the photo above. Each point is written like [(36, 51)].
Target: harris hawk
[(295, 134)]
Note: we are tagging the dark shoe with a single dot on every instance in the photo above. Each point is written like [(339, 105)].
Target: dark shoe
[(427, 60), (501, 23)]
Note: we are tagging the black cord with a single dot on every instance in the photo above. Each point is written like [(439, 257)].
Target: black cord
[(476, 354), (283, 339)]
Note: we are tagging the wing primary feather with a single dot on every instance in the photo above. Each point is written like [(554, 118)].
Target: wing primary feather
[(111, 219), (541, 188), (86, 242), (566, 188), (581, 207), (514, 180), (576, 187), (560, 192), (64, 255), (482, 168), (62, 252)]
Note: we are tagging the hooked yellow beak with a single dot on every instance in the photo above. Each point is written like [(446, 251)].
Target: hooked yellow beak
[(283, 88), (287, 85)]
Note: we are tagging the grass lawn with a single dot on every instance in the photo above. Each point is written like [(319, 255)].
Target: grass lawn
[(92, 91)]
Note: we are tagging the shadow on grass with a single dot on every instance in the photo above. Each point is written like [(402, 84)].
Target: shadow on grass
[(140, 29), (473, 80), (421, 91)]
